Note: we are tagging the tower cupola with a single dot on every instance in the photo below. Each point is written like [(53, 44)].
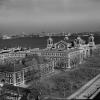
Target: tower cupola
[(91, 44), (91, 41), (79, 41), (66, 38), (49, 42)]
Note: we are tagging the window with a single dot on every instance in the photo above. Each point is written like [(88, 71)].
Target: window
[(9, 78), (18, 77)]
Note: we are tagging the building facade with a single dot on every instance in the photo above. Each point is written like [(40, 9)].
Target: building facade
[(18, 72), (46, 68), (63, 52), (16, 77)]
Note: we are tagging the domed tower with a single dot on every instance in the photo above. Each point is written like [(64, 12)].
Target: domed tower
[(66, 38), (49, 42), (91, 41), (75, 43), (91, 44), (78, 41)]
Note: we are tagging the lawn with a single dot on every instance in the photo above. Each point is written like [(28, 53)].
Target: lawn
[(63, 84), (66, 83)]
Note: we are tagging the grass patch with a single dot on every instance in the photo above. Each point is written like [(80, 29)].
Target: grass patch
[(64, 84)]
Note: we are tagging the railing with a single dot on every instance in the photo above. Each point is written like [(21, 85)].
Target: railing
[(89, 90)]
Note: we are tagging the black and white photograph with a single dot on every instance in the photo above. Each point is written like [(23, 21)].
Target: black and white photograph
[(49, 49)]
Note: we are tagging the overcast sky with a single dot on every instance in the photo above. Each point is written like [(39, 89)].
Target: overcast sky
[(49, 15)]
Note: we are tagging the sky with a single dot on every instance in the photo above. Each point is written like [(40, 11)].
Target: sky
[(49, 15)]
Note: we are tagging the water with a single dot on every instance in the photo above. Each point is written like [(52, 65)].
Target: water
[(35, 42), (29, 42)]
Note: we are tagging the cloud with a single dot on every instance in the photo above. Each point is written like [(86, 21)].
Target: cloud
[(49, 6), (48, 12), (34, 8)]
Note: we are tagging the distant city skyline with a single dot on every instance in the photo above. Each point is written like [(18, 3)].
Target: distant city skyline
[(49, 15)]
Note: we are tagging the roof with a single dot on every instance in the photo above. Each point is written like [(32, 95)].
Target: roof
[(64, 51), (73, 50), (11, 67), (15, 88), (23, 63), (29, 58), (41, 59), (64, 42), (26, 62), (12, 59), (20, 90)]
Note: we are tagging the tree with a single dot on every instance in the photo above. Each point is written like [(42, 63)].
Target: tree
[(35, 75), (61, 65), (62, 86)]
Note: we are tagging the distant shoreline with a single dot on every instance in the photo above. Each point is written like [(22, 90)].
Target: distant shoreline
[(43, 34), (36, 42)]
